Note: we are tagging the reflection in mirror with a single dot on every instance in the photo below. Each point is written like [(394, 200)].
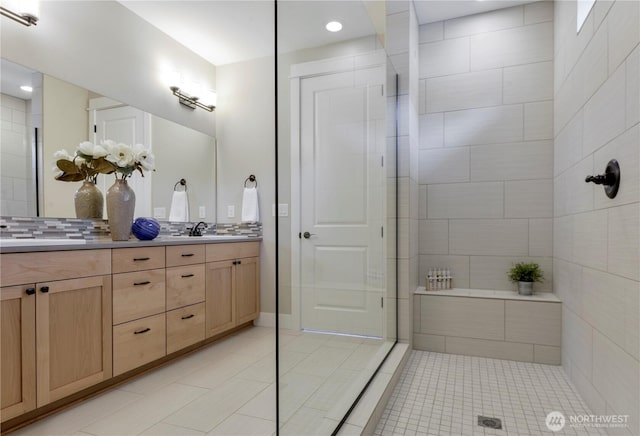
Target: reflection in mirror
[(66, 115), (337, 299)]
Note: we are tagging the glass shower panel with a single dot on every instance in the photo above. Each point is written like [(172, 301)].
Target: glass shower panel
[(336, 166)]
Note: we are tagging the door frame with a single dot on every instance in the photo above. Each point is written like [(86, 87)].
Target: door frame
[(299, 72)]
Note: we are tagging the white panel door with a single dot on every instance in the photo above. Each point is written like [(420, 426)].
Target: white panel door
[(342, 204), (129, 126)]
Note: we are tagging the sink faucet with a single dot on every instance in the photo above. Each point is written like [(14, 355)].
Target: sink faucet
[(197, 230)]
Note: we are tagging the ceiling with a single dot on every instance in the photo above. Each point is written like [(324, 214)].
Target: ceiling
[(229, 31)]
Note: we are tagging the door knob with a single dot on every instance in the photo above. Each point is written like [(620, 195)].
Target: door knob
[(307, 235)]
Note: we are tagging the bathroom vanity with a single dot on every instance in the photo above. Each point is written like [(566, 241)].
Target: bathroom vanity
[(77, 319)]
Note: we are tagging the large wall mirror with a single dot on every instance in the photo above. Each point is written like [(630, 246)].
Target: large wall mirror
[(42, 114)]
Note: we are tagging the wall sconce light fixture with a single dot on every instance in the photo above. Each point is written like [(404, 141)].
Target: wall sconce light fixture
[(27, 11), (193, 101)]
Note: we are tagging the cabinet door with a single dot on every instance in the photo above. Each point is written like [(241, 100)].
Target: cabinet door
[(73, 336), (18, 350), (219, 299), (247, 289)]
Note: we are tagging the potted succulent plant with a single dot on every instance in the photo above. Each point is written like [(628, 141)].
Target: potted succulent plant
[(525, 274)]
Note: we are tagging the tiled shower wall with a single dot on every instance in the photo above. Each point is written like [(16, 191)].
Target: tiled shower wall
[(17, 199), (597, 239), (486, 145), (402, 48)]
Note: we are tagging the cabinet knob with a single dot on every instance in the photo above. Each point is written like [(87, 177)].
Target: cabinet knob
[(44, 289), (30, 291)]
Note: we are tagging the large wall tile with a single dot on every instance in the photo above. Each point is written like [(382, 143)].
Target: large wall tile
[(567, 285), (604, 113), (593, 64), (483, 126), (431, 32), (434, 237), (517, 46), (546, 354), (609, 308), (563, 237), (491, 349), (626, 150), (444, 165), (528, 199), (577, 341), (616, 375), (466, 200), (579, 195), (534, 323), (538, 121), (633, 87), (464, 91), (590, 239), (443, 58), (458, 265), (489, 237), (432, 130), (624, 241), (518, 161), (527, 83), (490, 272), (428, 343), (541, 237), (397, 35), (538, 12), (568, 145), (467, 317), (624, 31), (482, 23)]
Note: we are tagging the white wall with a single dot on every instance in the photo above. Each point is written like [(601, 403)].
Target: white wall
[(103, 47), (65, 127), (596, 239), (486, 145)]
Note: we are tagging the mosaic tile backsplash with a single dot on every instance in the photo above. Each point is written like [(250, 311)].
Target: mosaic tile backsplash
[(74, 228)]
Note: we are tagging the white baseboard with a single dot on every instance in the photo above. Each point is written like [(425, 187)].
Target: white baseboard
[(268, 319)]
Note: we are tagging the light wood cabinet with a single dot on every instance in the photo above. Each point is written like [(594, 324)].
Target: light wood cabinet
[(232, 285), (138, 294), (138, 342), (185, 326), (219, 301), (73, 336), (18, 350), (185, 285), (247, 289)]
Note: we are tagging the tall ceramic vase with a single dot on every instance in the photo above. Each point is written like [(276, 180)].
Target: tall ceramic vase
[(88, 201), (121, 202)]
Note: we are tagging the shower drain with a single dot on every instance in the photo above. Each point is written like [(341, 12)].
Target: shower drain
[(485, 421)]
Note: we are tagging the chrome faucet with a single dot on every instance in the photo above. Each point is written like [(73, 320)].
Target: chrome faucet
[(197, 230)]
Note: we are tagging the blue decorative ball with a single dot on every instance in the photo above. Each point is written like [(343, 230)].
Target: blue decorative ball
[(145, 229)]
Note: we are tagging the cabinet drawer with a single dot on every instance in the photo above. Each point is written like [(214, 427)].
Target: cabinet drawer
[(185, 285), (137, 259), (185, 327), (21, 268), (138, 342), (232, 250), (138, 294), (178, 255)]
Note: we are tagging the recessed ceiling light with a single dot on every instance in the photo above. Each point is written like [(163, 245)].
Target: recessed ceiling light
[(334, 26), (26, 88)]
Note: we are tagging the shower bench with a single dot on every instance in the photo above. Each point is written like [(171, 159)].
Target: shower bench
[(488, 323)]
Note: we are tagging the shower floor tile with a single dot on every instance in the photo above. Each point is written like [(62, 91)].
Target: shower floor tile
[(443, 394)]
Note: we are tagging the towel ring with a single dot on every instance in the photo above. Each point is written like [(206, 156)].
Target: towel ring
[(181, 182), (251, 178)]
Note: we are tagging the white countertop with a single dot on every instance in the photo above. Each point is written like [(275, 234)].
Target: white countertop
[(489, 293)]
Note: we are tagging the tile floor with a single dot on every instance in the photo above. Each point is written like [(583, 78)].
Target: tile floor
[(229, 389), (443, 394)]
